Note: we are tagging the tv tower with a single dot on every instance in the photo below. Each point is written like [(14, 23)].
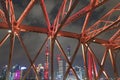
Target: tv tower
[(60, 65), (46, 68), (68, 55)]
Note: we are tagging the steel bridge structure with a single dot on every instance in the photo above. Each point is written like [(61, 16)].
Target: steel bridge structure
[(64, 17)]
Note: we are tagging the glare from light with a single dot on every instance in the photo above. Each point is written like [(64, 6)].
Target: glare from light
[(94, 40), (9, 31), (23, 68)]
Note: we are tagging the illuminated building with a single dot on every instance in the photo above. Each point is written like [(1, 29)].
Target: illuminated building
[(46, 67), (60, 67)]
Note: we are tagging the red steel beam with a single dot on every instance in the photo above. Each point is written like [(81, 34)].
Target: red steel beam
[(4, 25), (113, 63), (12, 40), (72, 60), (94, 30), (12, 13), (97, 32), (64, 8), (117, 47), (66, 17), (58, 18), (92, 4), (103, 19), (65, 21), (4, 39), (37, 29), (27, 53), (95, 58), (102, 64), (117, 44), (36, 56), (84, 53), (26, 11), (66, 58), (42, 3), (82, 12), (100, 41), (5, 10), (25, 28), (2, 16), (52, 42), (115, 36)]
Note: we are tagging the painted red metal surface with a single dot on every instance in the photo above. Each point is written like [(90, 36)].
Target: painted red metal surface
[(63, 18)]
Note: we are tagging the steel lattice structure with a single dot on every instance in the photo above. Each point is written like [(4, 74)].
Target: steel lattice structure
[(54, 30)]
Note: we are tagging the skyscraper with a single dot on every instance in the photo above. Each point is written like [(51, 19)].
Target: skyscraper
[(60, 67)]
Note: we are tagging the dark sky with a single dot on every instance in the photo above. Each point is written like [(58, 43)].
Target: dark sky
[(33, 40)]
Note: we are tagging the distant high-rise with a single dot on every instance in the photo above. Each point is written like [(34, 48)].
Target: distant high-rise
[(68, 55), (46, 68), (60, 66)]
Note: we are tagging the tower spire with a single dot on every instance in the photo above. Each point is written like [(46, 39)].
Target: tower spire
[(46, 70)]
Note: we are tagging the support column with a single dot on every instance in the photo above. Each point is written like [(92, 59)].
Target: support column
[(51, 57), (85, 59), (113, 63), (12, 37)]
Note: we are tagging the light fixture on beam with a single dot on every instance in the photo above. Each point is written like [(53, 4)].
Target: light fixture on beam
[(94, 40), (9, 31)]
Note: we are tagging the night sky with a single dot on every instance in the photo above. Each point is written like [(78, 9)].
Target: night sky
[(33, 41)]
